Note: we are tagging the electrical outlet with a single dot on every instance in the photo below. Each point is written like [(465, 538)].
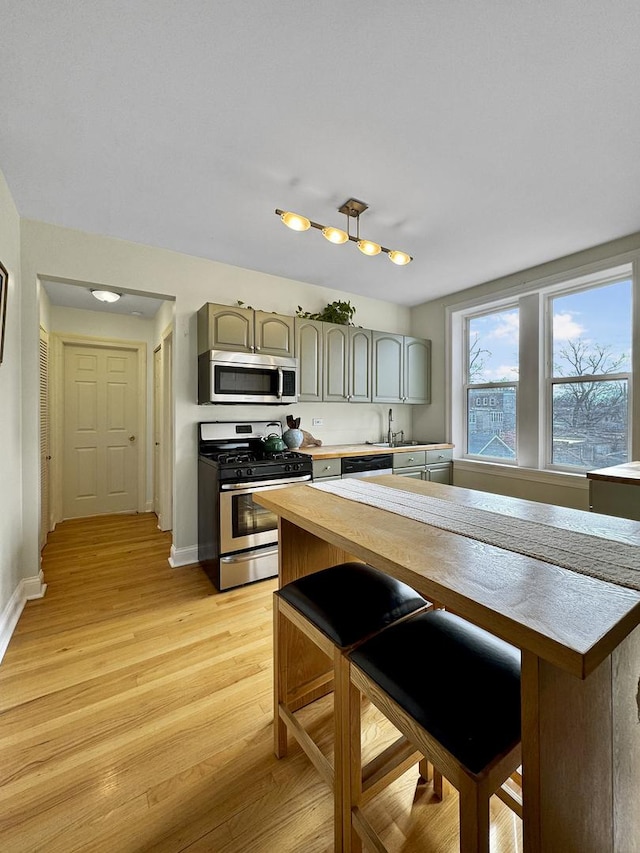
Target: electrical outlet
[(317, 422)]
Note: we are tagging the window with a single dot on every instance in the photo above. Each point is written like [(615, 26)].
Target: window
[(491, 384), (543, 377), (590, 371)]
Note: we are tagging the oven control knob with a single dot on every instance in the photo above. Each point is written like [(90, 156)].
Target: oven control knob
[(239, 472), (296, 467), (249, 472), (287, 467)]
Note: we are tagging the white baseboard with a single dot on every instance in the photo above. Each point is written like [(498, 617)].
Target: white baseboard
[(183, 556), (27, 589)]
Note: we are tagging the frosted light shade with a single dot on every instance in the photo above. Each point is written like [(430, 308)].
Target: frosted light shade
[(106, 295), (400, 258), (367, 247), (335, 235), (295, 221)]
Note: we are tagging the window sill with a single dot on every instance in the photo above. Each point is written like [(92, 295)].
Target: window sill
[(512, 472)]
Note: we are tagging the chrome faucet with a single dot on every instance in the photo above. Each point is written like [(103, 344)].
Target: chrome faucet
[(389, 433)]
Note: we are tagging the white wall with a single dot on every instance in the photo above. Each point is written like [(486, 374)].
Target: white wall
[(12, 561), (53, 252)]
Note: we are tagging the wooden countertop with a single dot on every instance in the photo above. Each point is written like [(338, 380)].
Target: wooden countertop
[(570, 620), (337, 451), (629, 472)]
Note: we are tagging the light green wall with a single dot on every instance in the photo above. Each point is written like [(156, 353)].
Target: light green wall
[(60, 253), (12, 565)]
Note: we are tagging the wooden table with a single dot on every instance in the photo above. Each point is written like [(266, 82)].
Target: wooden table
[(579, 638), (616, 490)]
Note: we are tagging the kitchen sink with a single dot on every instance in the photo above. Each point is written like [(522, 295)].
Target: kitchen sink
[(394, 443)]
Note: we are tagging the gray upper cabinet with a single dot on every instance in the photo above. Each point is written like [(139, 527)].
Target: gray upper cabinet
[(335, 363), (347, 364), (401, 369), (309, 349), (236, 329), (387, 367), (417, 370), (360, 365), (274, 334)]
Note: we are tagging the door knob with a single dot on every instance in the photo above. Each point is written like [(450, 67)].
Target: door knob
[(132, 438)]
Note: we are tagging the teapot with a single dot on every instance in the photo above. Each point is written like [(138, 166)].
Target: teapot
[(273, 443)]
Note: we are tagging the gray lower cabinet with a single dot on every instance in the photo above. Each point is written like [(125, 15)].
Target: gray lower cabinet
[(327, 469), (432, 465), (438, 473), (401, 369)]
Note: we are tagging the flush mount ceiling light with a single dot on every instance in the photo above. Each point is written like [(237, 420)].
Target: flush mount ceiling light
[(106, 295), (352, 208)]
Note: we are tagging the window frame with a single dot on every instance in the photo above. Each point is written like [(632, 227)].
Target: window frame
[(551, 380), (534, 409), (478, 386)]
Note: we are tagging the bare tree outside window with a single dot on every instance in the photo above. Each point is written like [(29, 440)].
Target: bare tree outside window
[(590, 384)]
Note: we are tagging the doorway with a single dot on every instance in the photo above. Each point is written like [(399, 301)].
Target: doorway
[(99, 416)]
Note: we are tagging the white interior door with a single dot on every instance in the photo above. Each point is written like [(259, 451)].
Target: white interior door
[(45, 456), (157, 424), (100, 431)]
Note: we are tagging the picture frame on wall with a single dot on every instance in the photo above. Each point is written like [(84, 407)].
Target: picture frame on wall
[(4, 289)]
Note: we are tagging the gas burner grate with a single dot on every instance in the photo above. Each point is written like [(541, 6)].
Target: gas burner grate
[(235, 458), (285, 454)]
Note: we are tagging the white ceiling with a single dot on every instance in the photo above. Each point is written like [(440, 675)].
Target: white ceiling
[(485, 136), (67, 295)]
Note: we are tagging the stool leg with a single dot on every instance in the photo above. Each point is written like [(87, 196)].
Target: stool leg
[(341, 769), (280, 686), (425, 776), (474, 817), (349, 713)]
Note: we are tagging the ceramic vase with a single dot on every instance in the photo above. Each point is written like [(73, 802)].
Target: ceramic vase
[(292, 438)]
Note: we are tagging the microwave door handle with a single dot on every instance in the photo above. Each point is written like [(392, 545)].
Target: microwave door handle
[(280, 384)]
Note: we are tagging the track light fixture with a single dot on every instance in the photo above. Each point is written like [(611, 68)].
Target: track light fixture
[(352, 208)]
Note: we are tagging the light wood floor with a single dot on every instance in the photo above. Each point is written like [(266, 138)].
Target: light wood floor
[(135, 715)]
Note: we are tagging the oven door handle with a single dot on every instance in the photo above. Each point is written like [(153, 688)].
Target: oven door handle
[(280, 384), (263, 486)]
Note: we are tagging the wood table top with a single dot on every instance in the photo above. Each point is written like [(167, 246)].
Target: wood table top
[(569, 619), (629, 472)]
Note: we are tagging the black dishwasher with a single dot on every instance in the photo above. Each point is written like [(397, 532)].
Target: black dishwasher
[(367, 466)]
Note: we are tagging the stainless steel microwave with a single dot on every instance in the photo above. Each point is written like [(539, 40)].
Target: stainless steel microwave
[(238, 377)]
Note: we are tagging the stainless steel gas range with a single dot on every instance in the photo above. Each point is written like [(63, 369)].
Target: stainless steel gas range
[(237, 538)]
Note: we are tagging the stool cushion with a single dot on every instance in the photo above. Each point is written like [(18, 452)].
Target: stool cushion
[(351, 601), (457, 681)]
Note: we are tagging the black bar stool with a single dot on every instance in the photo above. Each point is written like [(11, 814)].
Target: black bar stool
[(337, 608), (454, 691)]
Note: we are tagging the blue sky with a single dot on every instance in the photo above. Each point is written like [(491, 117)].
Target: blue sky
[(600, 316)]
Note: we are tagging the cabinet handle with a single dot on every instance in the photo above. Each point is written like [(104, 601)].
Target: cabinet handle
[(256, 349), (410, 459)]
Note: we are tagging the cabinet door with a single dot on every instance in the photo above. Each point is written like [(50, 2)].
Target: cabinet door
[(273, 334), (359, 365), (413, 473), (439, 474), (387, 367), (225, 328), (309, 349), (417, 370), (336, 361)]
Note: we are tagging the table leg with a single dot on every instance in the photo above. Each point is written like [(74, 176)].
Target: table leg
[(581, 755)]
